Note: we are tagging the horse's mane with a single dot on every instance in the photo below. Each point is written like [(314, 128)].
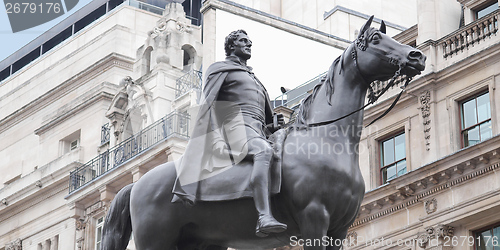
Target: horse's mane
[(304, 109), (328, 82)]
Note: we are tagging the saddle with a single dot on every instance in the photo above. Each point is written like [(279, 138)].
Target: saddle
[(234, 183)]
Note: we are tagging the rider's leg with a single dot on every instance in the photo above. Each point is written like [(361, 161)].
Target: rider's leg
[(261, 187)]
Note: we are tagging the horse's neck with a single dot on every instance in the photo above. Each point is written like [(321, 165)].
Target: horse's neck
[(349, 95)]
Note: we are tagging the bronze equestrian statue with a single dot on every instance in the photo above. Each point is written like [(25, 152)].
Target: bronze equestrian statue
[(238, 103), (321, 186)]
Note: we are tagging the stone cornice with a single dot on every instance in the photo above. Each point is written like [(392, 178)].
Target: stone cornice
[(36, 182), (471, 4), (407, 35), (276, 22), (96, 96), (361, 15), (428, 180), (33, 199), (110, 61)]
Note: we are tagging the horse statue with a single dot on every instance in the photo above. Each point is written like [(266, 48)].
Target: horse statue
[(322, 186)]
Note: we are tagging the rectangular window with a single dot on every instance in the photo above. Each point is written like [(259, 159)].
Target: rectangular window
[(393, 157), (98, 233), (476, 119), (486, 9), (488, 239), (69, 143)]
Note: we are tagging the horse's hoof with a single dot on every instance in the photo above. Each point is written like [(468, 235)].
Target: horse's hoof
[(267, 225)]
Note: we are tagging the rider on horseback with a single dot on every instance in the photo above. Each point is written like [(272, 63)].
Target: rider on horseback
[(238, 106)]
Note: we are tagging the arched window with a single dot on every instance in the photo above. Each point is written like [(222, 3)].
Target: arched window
[(146, 61), (189, 56)]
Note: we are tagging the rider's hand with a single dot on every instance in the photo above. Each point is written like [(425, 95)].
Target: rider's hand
[(219, 148), (281, 119), (278, 121)]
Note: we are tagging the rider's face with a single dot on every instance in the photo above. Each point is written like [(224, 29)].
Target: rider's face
[(242, 47)]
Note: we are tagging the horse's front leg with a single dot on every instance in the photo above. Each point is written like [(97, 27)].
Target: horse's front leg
[(336, 239), (313, 223)]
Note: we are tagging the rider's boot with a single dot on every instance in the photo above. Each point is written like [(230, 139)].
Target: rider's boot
[(266, 223)]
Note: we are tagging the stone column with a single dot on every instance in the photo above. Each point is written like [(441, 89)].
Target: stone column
[(437, 18), (54, 243), (209, 34), (46, 245)]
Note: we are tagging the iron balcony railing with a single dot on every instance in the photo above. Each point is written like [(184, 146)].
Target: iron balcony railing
[(173, 124), (105, 133), (190, 80)]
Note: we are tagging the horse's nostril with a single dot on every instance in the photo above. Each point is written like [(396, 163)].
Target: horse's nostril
[(415, 54)]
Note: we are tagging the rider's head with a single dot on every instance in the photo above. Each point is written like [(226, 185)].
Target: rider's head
[(232, 43)]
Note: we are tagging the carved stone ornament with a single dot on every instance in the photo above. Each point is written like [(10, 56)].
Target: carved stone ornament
[(352, 238), (79, 243), (15, 245), (435, 235), (182, 27), (131, 96), (430, 206), (81, 224), (425, 108)]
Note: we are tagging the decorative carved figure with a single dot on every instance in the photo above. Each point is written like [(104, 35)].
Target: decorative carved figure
[(425, 108), (430, 206), (132, 98), (320, 192)]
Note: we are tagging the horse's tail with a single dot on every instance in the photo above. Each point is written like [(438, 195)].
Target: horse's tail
[(118, 225)]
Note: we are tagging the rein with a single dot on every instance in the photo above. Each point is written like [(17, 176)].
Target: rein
[(372, 96)]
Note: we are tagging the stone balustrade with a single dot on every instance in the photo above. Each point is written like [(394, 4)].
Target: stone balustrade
[(470, 35)]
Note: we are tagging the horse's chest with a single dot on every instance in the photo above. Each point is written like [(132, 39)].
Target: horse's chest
[(324, 167)]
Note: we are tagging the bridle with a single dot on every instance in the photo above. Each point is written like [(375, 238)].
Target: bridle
[(360, 43)]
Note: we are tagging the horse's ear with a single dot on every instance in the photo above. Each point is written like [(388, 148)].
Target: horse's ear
[(382, 27), (365, 27)]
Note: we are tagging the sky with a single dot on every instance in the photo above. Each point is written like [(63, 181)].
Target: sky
[(11, 42), (279, 58)]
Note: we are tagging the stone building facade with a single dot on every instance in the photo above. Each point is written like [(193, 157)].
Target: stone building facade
[(113, 100), (90, 115)]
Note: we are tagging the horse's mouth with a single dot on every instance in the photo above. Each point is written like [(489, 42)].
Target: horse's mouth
[(412, 71)]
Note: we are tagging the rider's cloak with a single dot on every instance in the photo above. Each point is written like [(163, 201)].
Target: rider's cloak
[(199, 169)]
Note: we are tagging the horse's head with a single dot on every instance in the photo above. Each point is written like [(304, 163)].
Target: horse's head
[(379, 57)]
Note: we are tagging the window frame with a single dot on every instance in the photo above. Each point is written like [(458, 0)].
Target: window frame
[(476, 233), (473, 96), (484, 6), (381, 151), (98, 225)]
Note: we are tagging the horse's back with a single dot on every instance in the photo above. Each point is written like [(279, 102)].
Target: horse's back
[(151, 208), (158, 222)]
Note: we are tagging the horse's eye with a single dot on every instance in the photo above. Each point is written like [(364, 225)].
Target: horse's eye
[(376, 38)]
